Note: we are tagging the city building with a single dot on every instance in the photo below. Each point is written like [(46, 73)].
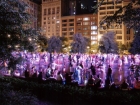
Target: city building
[(51, 17), (108, 8), (34, 10), (77, 7), (63, 18), (86, 24), (68, 26)]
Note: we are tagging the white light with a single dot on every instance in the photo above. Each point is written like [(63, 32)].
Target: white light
[(57, 21), (88, 47), (16, 46), (99, 37), (86, 18), (30, 39), (9, 36)]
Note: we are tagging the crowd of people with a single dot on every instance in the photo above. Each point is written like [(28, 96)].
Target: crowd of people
[(100, 70)]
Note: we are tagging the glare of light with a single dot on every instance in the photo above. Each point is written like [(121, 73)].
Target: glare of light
[(85, 82), (86, 18), (16, 46), (9, 36), (88, 47), (57, 21), (99, 37), (30, 39)]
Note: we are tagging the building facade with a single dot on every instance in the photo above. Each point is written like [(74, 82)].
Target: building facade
[(123, 34), (59, 17), (51, 16), (85, 24), (34, 10), (77, 7)]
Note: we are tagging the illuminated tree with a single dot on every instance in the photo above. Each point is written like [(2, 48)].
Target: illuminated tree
[(42, 42), (54, 44), (79, 44), (108, 43), (65, 44)]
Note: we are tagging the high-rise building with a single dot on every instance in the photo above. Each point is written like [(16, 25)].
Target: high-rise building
[(34, 10), (77, 7), (123, 34), (59, 17), (86, 24), (51, 16)]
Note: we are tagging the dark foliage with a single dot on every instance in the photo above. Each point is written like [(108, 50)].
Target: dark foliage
[(69, 94)]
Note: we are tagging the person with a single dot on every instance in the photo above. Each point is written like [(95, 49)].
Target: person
[(59, 77), (40, 76), (124, 85), (48, 72), (93, 70), (81, 64), (16, 73), (113, 86), (107, 83), (67, 78), (136, 83), (90, 81), (109, 73), (98, 82), (26, 73), (35, 73), (77, 74), (132, 69)]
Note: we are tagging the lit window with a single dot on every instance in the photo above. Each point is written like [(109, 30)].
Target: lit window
[(86, 23), (93, 27), (93, 23), (57, 21), (79, 19), (86, 19), (93, 42), (93, 32), (93, 37), (53, 17)]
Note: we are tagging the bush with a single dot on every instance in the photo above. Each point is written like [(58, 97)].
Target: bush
[(64, 94)]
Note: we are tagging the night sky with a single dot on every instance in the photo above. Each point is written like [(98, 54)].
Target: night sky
[(89, 3)]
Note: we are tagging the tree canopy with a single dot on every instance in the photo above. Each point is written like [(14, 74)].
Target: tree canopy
[(14, 35), (108, 43), (54, 44), (79, 44)]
